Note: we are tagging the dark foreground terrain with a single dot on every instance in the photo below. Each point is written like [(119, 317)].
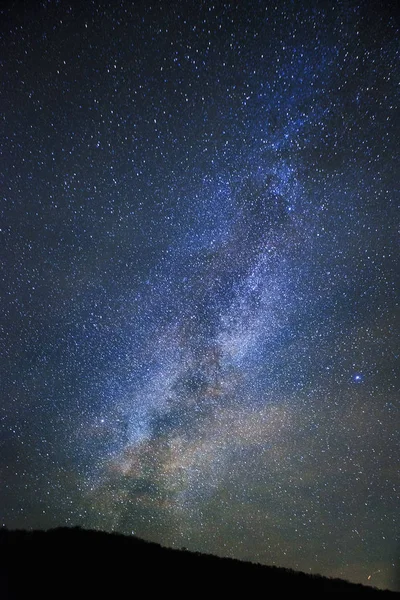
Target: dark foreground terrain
[(75, 563)]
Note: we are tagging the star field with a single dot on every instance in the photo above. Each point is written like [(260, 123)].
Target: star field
[(199, 285)]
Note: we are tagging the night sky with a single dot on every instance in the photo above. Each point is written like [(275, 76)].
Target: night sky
[(200, 275)]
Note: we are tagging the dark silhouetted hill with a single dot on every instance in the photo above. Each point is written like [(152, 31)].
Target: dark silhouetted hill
[(76, 563)]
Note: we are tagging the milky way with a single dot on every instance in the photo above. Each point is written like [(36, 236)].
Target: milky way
[(200, 277)]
